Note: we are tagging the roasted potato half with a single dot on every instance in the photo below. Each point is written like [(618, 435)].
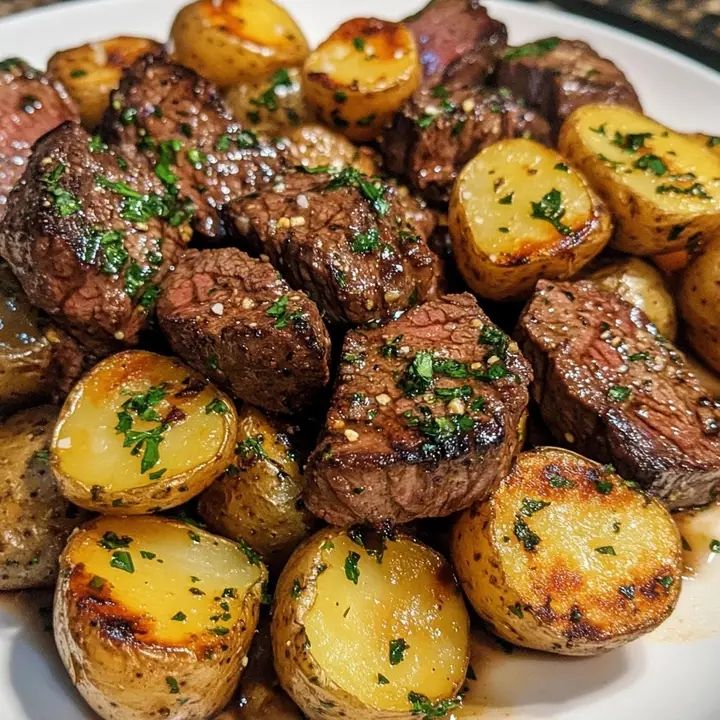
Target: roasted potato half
[(700, 303), (518, 212), (258, 497), (662, 187), (141, 433), (566, 557), (154, 617), (35, 520), (642, 285), (368, 627), (92, 71), (313, 145), (272, 105), (359, 77), (233, 41)]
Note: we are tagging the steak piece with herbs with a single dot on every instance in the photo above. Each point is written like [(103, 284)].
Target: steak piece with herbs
[(609, 386), (235, 319), (557, 76), (90, 236), (177, 120), (30, 105), (356, 245), (439, 130), (425, 416)]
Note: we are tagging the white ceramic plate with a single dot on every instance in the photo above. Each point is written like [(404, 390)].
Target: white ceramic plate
[(668, 675)]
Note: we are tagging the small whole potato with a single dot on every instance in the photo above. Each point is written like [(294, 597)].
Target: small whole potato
[(235, 41), (640, 284)]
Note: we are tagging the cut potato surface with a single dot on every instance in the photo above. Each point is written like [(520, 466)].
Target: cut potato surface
[(141, 432), (231, 41), (381, 624), (92, 71), (566, 557), (361, 75), (163, 597), (519, 212), (662, 187)]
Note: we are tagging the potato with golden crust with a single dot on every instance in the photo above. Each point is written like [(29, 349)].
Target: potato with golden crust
[(567, 557), (154, 617), (640, 284), (369, 627), (258, 497), (140, 433), (92, 71), (699, 303), (662, 187), (361, 75), (35, 520), (519, 212), (233, 41)]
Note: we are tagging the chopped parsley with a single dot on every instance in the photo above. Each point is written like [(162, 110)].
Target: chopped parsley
[(619, 393), (216, 405), (252, 556), (112, 541), (396, 653), (382, 680), (147, 555), (507, 199), (367, 242), (418, 376), (373, 191), (632, 142), (606, 550), (558, 481), (279, 311), (550, 208), (516, 610), (529, 506), (97, 582), (652, 163), (666, 581), (251, 449), (122, 560), (562, 167), (359, 43), (525, 535), (533, 49), (179, 617), (635, 357), (173, 684), (269, 98), (695, 190), (352, 572), (422, 705), (66, 203)]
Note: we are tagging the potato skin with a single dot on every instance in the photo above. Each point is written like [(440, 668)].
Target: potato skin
[(258, 498), (566, 603), (640, 284), (92, 71), (648, 222), (510, 273), (124, 675), (232, 41), (699, 302), (35, 520)]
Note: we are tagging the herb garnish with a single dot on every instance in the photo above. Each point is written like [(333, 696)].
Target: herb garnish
[(550, 209), (533, 49), (372, 190), (606, 550), (652, 163), (173, 684), (694, 190), (529, 506), (397, 650), (179, 616), (112, 541), (65, 202), (216, 405), (122, 560), (619, 393), (352, 571), (269, 98), (252, 556), (279, 311), (422, 705), (366, 242), (632, 142), (525, 535)]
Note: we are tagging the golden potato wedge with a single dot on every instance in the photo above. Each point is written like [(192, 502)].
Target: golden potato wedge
[(368, 627), (640, 284), (92, 71), (313, 145), (700, 303), (141, 433), (258, 497), (154, 617), (272, 105), (233, 41), (35, 520), (662, 187), (566, 557), (361, 75), (518, 212)]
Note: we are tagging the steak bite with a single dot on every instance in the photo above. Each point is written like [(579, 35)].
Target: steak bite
[(439, 130), (235, 319), (30, 105), (89, 237), (557, 76), (613, 389), (458, 42), (177, 120), (355, 245), (424, 417)]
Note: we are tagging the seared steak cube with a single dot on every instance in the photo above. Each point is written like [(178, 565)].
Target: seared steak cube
[(458, 41), (30, 105), (557, 76), (424, 417), (439, 130), (177, 121), (235, 320), (89, 237), (612, 388), (355, 245)]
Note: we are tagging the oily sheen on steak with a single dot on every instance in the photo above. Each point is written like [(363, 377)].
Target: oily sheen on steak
[(613, 389), (424, 416), (356, 245), (235, 320)]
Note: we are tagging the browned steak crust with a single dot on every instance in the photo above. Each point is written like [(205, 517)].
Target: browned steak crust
[(613, 389), (424, 417)]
